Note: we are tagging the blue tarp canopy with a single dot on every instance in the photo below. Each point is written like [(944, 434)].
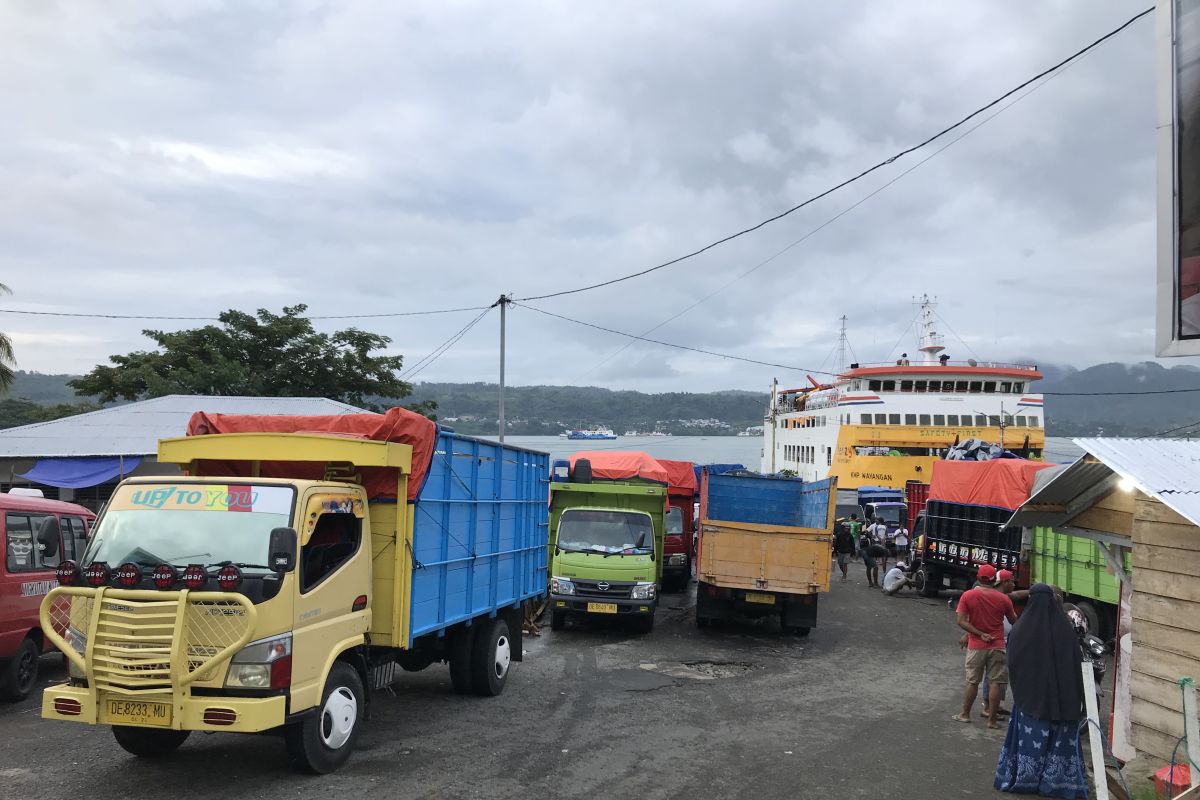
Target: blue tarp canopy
[(79, 473)]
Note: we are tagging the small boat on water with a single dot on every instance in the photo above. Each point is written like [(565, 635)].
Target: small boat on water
[(589, 434)]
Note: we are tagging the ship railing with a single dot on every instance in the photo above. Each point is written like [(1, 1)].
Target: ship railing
[(971, 363)]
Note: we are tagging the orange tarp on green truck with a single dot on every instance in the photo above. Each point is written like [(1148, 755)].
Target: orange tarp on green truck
[(623, 465), (1000, 483)]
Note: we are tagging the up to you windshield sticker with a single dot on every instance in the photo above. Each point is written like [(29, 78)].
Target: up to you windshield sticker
[(205, 497)]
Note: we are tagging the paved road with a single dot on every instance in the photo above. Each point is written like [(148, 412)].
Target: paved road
[(861, 708)]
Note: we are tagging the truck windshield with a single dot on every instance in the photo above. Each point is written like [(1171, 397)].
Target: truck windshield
[(190, 523), (892, 515), (602, 531), (674, 522)]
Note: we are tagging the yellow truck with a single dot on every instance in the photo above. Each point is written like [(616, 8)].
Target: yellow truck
[(765, 549), (226, 600)]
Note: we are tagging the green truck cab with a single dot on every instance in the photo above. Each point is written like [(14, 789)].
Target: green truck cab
[(606, 551)]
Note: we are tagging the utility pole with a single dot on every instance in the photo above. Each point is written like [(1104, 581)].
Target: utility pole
[(503, 303)]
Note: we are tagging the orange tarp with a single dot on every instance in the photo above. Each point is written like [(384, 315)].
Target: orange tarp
[(1001, 482), (396, 425), (681, 477), (620, 465)]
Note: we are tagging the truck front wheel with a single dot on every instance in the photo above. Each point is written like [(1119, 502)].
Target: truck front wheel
[(148, 742), (558, 620), (321, 742), (491, 659)]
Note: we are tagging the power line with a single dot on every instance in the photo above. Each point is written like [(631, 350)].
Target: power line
[(812, 232), (1174, 430), (1117, 394), (857, 177), (672, 344), (441, 349), (217, 319)]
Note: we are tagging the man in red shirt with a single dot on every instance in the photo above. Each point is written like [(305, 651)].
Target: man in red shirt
[(981, 613)]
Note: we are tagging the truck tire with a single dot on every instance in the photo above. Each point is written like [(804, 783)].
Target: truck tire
[(322, 742), (148, 742), (644, 624), (797, 630), (491, 658), (20, 673), (702, 622), (558, 620), (928, 582), (461, 648)]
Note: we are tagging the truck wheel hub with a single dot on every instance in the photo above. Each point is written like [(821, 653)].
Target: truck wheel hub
[(338, 717), (503, 656)]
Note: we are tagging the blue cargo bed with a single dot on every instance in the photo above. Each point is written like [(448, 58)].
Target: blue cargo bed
[(479, 532)]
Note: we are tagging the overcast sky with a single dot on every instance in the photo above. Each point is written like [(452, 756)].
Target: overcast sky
[(188, 156)]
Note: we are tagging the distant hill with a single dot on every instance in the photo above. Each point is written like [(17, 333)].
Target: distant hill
[(1131, 415), (544, 410), (43, 389)]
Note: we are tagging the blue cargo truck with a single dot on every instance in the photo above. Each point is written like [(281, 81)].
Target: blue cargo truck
[(290, 573), (765, 548)]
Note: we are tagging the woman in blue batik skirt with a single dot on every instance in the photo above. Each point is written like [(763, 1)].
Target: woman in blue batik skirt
[(1041, 752)]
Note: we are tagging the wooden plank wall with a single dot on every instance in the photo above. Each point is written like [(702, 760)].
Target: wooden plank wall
[(1166, 623)]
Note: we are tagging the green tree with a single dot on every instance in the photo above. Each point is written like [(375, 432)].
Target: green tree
[(8, 359), (264, 355)]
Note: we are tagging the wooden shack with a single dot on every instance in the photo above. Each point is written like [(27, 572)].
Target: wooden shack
[(1144, 495)]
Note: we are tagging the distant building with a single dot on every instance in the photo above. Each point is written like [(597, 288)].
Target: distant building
[(81, 458)]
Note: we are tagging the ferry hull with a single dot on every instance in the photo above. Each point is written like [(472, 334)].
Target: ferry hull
[(853, 470)]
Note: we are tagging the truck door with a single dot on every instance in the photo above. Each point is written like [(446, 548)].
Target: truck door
[(333, 587)]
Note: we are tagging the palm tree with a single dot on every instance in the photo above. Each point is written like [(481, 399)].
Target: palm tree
[(8, 359)]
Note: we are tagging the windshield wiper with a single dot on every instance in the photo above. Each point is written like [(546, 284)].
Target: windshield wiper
[(623, 551), (239, 565)]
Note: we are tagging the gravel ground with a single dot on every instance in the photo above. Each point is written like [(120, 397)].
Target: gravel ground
[(860, 708)]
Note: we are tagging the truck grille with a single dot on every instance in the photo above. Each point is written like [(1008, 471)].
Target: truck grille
[(616, 589), (143, 642)]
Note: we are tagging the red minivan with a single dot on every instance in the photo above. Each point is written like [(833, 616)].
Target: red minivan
[(37, 535)]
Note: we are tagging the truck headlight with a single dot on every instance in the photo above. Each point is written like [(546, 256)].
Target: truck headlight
[(642, 591), (265, 664), (677, 559), (561, 586)]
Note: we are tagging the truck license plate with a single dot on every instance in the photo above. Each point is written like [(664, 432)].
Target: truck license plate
[(137, 712), (602, 608), (759, 597)]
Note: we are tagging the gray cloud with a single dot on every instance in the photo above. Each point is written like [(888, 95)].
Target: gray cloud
[(186, 157)]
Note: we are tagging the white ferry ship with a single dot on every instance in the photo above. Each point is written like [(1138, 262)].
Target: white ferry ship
[(884, 425)]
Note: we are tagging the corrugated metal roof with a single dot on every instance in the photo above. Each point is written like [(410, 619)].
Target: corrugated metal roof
[(134, 429), (1060, 488), (1168, 469)]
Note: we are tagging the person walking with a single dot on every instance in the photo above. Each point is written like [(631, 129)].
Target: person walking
[(844, 548), (875, 552), (864, 547), (901, 542), (878, 531), (1006, 582), (981, 613), (1041, 750)]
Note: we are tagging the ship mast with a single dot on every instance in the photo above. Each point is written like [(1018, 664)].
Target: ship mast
[(931, 342), (843, 343)]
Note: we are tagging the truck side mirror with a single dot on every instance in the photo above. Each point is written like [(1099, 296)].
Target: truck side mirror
[(48, 536), (282, 551)]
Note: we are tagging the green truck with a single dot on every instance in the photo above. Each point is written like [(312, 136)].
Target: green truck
[(1077, 566), (606, 548)]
